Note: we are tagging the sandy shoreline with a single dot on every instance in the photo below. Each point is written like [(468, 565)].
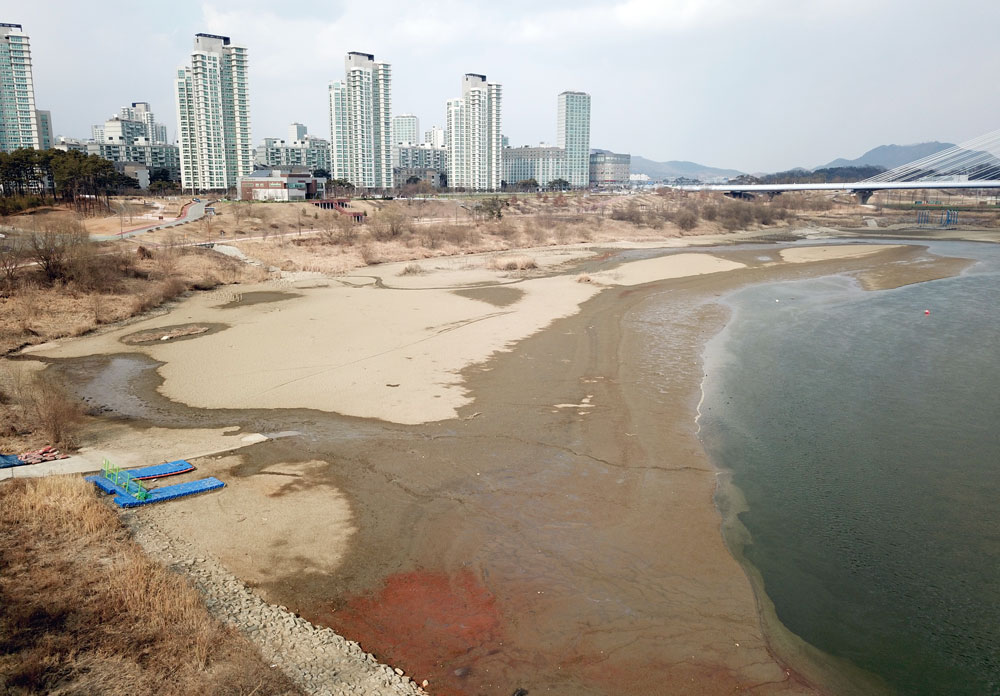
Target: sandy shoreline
[(536, 458)]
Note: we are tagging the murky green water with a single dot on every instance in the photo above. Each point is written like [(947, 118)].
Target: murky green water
[(865, 436)]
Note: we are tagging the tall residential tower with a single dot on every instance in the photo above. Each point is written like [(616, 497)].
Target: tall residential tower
[(18, 120), (573, 135), (213, 115), (361, 123), (473, 136), (405, 129)]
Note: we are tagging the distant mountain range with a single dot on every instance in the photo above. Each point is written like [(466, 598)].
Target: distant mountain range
[(883, 156), (890, 156), (675, 169)]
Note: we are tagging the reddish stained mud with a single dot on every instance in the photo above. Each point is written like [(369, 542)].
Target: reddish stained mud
[(425, 622)]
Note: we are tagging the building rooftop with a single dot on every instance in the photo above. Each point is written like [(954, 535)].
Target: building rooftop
[(224, 39)]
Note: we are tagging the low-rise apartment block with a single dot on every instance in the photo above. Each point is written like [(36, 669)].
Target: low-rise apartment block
[(300, 150), (544, 164)]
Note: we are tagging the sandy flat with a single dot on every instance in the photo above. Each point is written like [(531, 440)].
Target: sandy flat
[(393, 352), (386, 353), (663, 267), (834, 251), (274, 507)]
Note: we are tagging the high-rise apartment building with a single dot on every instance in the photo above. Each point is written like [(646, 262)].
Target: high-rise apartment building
[(573, 135), (473, 135), (405, 129), (435, 136), (129, 139), (361, 123), (140, 111), (213, 115), (18, 118)]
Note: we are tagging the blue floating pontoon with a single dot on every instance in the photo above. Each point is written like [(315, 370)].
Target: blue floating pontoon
[(160, 470), (130, 493), (179, 490)]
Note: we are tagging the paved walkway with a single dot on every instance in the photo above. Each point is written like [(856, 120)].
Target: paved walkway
[(191, 212)]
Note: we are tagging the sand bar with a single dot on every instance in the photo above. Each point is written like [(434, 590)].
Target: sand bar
[(832, 252), (392, 353)]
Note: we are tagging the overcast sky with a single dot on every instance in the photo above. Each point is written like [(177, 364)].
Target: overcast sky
[(755, 85)]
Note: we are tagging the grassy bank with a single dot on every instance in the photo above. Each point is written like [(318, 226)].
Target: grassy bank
[(84, 611)]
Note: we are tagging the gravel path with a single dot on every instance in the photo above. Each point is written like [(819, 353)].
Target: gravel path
[(318, 660)]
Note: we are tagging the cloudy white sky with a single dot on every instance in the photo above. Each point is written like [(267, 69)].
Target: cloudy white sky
[(755, 85)]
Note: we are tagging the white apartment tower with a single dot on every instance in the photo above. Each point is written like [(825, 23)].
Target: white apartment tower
[(473, 136), (18, 119), (573, 135), (361, 123), (213, 115), (405, 129), (435, 136)]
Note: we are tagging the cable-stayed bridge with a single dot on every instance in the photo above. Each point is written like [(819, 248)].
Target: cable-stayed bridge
[(974, 164)]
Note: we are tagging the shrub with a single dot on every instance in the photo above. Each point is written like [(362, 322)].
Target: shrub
[(57, 414), (686, 220), (511, 263)]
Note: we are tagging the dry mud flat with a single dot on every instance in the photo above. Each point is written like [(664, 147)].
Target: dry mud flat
[(485, 504)]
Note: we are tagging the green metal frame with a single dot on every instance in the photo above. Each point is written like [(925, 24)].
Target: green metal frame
[(123, 478)]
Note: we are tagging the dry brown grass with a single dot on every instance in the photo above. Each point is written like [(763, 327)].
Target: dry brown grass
[(35, 410), (518, 262), (84, 611), (34, 312), (412, 269)]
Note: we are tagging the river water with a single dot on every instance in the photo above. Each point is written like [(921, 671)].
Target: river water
[(862, 434)]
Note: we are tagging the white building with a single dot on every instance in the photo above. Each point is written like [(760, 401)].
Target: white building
[(435, 136), (573, 135), (281, 184), (213, 115), (405, 129), (18, 118), (475, 159), (544, 164), (361, 123)]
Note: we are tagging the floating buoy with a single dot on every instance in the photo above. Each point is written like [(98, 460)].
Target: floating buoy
[(927, 311)]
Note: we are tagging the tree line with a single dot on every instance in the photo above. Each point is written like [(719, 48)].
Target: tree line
[(29, 178)]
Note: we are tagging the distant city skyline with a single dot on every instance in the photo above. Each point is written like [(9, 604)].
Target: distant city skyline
[(757, 85)]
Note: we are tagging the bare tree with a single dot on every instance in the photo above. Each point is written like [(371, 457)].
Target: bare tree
[(206, 223), (239, 212), (52, 245), (13, 252), (327, 223)]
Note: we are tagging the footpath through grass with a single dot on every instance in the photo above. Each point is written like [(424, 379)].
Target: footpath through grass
[(84, 611)]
